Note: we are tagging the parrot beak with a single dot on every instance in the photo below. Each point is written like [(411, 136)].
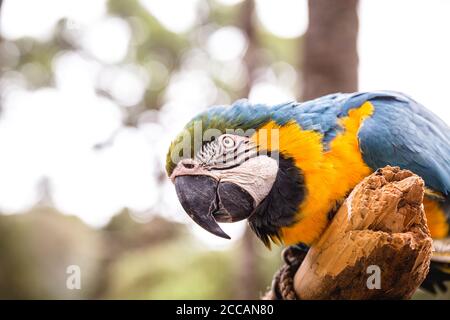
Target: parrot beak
[(209, 197), (197, 194)]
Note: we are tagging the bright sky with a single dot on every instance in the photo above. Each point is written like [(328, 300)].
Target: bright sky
[(406, 48), (50, 132)]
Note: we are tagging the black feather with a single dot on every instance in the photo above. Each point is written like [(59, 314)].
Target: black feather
[(280, 207), (437, 277)]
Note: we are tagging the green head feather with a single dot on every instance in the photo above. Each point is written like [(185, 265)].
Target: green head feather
[(239, 118)]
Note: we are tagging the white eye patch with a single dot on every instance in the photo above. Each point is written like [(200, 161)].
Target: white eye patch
[(256, 176), (226, 152)]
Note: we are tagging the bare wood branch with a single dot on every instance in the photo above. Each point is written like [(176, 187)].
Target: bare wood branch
[(382, 223)]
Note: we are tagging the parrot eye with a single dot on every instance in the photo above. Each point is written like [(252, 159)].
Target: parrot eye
[(228, 142)]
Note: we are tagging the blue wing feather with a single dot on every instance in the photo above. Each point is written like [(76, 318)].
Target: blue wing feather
[(403, 133)]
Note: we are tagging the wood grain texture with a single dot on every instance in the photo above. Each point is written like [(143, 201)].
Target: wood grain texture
[(382, 223)]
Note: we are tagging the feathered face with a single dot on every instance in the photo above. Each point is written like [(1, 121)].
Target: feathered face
[(225, 181)]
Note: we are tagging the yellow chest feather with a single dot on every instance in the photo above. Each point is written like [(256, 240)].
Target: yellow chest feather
[(329, 175)]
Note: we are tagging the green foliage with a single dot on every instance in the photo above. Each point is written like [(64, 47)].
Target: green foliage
[(171, 271), (126, 259), (37, 247)]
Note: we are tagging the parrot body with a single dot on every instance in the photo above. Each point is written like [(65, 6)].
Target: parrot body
[(325, 147)]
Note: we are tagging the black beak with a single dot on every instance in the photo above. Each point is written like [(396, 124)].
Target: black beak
[(235, 203), (197, 195), (206, 200)]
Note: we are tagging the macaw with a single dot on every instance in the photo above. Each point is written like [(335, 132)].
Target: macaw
[(287, 168)]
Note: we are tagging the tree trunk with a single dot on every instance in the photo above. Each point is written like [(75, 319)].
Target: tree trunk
[(247, 25), (330, 48), (248, 277)]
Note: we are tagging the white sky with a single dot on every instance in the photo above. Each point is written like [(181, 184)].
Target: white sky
[(403, 46)]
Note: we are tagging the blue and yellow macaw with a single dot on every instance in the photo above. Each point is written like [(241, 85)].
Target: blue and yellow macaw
[(286, 168)]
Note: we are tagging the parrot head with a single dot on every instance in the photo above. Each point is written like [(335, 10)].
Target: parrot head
[(224, 182), (229, 175)]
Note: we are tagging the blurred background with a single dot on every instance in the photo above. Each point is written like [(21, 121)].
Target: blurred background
[(93, 91)]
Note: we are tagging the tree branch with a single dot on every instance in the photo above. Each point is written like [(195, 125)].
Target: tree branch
[(377, 246)]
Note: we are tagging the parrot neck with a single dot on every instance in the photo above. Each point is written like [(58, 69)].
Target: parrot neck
[(330, 174), (280, 207), (327, 176)]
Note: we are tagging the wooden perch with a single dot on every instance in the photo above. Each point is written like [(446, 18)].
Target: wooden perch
[(380, 230)]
